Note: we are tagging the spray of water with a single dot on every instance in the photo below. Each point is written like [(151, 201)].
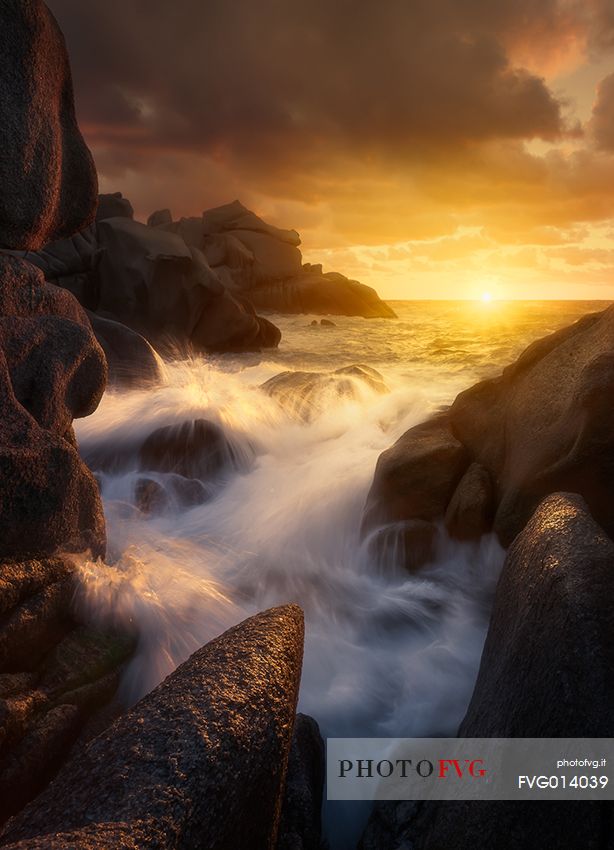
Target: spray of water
[(387, 653)]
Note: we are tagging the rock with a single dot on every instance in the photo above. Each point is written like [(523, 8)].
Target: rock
[(160, 218), (114, 206), (151, 281), (549, 645), (407, 545), (197, 449), (46, 172), (416, 478), (235, 216), (55, 674), (331, 294), (273, 258), (71, 264), (150, 497), (131, 360), (51, 371), (52, 501), (326, 323), (166, 773), (306, 395), (314, 323), (543, 426), (470, 512), (300, 826)]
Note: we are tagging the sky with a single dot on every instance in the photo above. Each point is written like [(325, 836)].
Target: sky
[(429, 148)]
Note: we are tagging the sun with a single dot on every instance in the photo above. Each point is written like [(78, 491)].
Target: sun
[(486, 297)]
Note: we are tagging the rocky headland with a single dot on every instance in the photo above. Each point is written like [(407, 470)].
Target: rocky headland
[(215, 756)]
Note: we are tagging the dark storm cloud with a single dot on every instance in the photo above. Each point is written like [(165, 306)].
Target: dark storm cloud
[(274, 83)]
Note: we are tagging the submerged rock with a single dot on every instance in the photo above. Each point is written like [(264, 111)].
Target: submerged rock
[(545, 424), (547, 670), (308, 394), (199, 762), (197, 449)]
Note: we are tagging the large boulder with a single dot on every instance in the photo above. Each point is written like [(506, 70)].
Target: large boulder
[(55, 674), (131, 360), (322, 294), (46, 172), (545, 424), (153, 282), (199, 762), (547, 670), (235, 216), (51, 371)]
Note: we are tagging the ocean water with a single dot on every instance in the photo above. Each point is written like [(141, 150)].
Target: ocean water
[(387, 653)]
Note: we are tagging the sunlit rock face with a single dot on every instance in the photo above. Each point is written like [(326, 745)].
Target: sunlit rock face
[(46, 172), (547, 671), (199, 762), (52, 369), (545, 424)]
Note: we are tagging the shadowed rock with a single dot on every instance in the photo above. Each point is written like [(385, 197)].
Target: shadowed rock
[(329, 294), (54, 675), (48, 181), (547, 670), (416, 478), (200, 762), (198, 449), (156, 284), (131, 360), (545, 425), (50, 500), (300, 827)]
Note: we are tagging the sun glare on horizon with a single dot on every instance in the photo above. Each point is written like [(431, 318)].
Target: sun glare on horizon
[(486, 297)]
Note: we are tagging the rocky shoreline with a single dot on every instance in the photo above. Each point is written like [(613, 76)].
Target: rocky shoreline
[(216, 756)]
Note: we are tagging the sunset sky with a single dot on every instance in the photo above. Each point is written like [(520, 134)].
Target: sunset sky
[(430, 148)]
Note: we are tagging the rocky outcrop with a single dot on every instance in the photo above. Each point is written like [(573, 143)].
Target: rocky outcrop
[(547, 670), (328, 294), (194, 284), (55, 673), (544, 425), (199, 762), (46, 171), (300, 826), (51, 371), (305, 395), (131, 360)]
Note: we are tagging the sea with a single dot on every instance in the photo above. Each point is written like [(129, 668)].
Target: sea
[(387, 653)]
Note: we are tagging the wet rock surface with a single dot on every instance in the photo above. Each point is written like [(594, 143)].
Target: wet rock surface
[(55, 674), (548, 647), (166, 773), (306, 395), (544, 425)]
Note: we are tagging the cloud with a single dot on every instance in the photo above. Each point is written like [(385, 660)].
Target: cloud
[(290, 83), (602, 122)]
